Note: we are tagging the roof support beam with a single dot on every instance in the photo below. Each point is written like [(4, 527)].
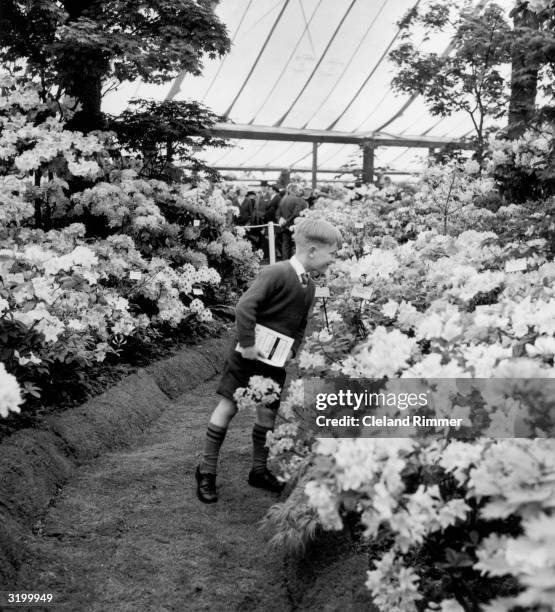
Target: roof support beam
[(302, 170), (257, 132)]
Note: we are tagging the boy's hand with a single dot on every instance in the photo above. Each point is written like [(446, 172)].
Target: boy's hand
[(251, 352)]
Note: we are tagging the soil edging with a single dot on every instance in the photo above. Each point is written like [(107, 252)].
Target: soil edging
[(36, 462)]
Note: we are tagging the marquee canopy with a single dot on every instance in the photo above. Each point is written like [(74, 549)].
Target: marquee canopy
[(310, 65)]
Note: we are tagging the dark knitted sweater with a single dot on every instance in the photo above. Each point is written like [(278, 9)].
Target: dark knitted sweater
[(277, 300)]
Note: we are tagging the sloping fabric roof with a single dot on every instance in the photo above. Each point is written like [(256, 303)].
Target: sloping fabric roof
[(318, 64)]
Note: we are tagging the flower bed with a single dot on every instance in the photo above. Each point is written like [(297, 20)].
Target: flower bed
[(459, 524), (99, 263)]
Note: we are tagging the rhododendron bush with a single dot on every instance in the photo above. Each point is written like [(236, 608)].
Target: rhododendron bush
[(94, 256), (461, 524)]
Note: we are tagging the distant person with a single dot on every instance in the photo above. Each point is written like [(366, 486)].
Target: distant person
[(259, 217), (385, 182), (309, 196), (288, 210), (391, 192), (271, 211), (280, 298), (276, 195), (245, 205), (252, 233), (262, 202)]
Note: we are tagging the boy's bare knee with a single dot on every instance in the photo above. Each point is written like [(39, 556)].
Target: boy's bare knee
[(227, 407), (224, 412), (265, 416)]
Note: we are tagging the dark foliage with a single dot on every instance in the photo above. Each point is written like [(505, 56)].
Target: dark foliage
[(165, 131), (83, 47)]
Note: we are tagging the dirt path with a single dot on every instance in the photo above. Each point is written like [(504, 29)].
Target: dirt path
[(127, 533)]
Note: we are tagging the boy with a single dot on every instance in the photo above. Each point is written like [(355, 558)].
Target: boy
[(280, 298)]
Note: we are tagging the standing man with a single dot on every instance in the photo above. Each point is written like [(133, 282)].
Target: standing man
[(244, 204), (261, 203), (275, 199), (288, 210), (263, 199), (271, 215)]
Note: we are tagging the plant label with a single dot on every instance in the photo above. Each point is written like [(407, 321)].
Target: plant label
[(515, 265)]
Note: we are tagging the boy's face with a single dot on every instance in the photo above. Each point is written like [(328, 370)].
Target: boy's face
[(320, 256)]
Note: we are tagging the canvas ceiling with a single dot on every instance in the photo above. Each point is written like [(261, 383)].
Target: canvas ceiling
[(318, 64)]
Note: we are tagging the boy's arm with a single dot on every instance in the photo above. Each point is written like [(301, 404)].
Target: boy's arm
[(299, 335), (247, 307)]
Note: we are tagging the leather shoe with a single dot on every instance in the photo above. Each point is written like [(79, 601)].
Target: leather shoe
[(206, 487), (265, 480)]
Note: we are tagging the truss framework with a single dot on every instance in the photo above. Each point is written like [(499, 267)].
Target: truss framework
[(368, 141)]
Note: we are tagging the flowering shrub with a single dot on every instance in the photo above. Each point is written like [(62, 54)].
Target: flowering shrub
[(28, 143), (459, 522), (500, 506), (524, 166), (94, 259), (447, 193), (172, 221), (68, 301)]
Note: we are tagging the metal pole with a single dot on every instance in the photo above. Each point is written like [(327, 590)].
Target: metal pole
[(326, 314), (314, 164), (271, 242), (368, 163)]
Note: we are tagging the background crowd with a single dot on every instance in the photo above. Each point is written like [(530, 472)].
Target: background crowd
[(281, 205)]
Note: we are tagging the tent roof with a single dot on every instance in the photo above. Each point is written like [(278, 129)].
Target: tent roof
[(309, 65)]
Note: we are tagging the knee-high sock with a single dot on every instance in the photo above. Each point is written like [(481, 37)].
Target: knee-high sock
[(215, 436), (259, 450)]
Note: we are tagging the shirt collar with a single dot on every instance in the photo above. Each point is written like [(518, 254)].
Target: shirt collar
[(297, 266)]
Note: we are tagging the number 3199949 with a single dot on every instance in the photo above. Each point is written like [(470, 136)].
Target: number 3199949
[(28, 599)]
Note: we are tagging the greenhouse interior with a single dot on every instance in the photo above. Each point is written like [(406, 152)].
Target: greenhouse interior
[(277, 305)]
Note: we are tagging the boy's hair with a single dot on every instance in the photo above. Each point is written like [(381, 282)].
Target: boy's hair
[(317, 230)]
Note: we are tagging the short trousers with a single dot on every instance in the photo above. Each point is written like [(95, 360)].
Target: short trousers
[(237, 372)]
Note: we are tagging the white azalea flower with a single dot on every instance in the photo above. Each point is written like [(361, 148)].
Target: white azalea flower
[(10, 393), (389, 309)]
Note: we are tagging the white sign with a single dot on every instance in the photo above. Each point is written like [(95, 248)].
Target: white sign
[(197, 291), (515, 265), (135, 275), (322, 292), (359, 225), (196, 223), (274, 346), (486, 309)]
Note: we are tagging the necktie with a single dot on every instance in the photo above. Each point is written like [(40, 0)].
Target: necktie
[(304, 279)]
